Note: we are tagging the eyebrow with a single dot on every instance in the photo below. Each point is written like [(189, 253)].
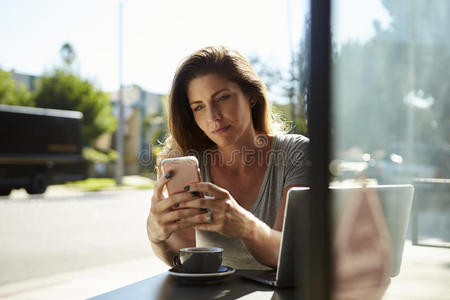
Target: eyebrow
[(212, 96)]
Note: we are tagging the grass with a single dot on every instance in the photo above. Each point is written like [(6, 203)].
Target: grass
[(145, 186), (98, 184), (93, 184)]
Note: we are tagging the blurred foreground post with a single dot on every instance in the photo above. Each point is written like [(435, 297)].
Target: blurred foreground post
[(119, 133), (319, 272)]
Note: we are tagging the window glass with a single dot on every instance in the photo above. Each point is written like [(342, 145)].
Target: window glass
[(390, 112), (63, 219)]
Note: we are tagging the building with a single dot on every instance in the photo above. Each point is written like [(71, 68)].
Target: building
[(138, 104), (29, 81)]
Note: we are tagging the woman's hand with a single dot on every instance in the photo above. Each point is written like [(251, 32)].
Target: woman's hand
[(227, 217), (165, 218)]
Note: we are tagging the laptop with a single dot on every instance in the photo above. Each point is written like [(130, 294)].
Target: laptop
[(396, 201)]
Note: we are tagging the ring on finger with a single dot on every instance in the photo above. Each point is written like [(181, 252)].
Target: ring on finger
[(209, 217)]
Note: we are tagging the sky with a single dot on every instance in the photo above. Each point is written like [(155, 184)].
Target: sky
[(158, 35)]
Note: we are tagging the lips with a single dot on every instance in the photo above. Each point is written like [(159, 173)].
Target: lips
[(221, 129)]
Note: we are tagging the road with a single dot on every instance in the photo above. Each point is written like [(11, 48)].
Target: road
[(58, 232)]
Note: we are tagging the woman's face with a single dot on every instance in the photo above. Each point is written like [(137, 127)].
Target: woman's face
[(220, 108)]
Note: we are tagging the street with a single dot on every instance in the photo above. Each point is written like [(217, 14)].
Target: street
[(58, 232)]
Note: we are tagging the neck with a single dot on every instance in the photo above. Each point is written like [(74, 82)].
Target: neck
[(245, 153)]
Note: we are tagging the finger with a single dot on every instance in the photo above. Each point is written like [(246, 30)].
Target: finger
[(172, 202), (179, 214), (177, 226), (203, 218), (159, 186), (208, 227), (182, 197), (208, 187), (202, 203)]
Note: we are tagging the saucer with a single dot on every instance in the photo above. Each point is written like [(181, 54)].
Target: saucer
[(221, 273)]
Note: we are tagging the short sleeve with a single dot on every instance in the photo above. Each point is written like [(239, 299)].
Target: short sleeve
[(296, 160)]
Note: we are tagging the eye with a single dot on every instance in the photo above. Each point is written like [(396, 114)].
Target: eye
[(197, 108), (223, 97)]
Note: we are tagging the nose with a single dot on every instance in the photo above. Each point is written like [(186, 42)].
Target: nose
[(214, 113)]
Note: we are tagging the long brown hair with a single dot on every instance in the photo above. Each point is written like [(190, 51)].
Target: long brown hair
[(184, 134)]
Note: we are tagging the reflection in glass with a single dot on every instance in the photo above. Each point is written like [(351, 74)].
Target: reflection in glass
[(391, 109)]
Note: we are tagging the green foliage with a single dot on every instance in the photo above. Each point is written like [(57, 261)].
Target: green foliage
[(301, 126), (100, 159), (98, 184), (147, 123), (284, 111), (12, 93), (64, 90), (152, 119), (270, 75), (159, 136), (93, 184), (372, 80), (94, 156), (67, 54), (157, 120), (293, 85)]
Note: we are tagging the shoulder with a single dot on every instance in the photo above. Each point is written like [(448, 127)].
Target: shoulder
[(292, 141), (293, 149)]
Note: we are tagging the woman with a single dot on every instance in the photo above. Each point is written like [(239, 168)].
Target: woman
[(219, 110)]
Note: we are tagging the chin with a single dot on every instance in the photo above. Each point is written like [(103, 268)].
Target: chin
[(220, 141)]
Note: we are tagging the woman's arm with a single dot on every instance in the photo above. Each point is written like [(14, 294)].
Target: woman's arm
[(230, 219), (165, 250), (166, 234), (264, 242)]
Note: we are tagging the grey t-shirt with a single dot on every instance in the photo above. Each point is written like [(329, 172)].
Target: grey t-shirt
[(288, 161)]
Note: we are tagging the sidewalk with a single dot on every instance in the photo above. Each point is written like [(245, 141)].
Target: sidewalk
[(84, 284), (61, 190), (425, 274)]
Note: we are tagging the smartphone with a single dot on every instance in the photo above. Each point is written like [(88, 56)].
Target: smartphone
[(183, 170)]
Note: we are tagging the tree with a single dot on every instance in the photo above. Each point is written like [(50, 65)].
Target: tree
[(271, 76), (287, 86), (302, 64), (294, 85), (373, 79), (12, 93), (67, 54), (62, 89)]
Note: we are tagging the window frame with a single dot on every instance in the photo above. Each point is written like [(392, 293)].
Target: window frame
[(319, 272)]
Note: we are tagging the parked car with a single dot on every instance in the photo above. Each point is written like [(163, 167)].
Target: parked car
[(392, 168)]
